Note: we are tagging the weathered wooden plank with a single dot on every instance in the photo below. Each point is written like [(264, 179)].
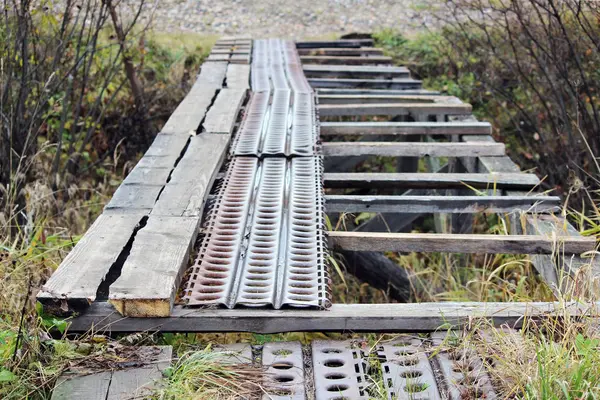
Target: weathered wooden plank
[(377, 92), (89, 387), (139, 382), (151, 273), (238, 76), (355, 71), (379, 98), (140, 197), (211, 74), (222, 115), (458, 243), (374, 60), (331, 110), (430, 180), (316, 44), (405, 128), (332, 51), (398, 317), (397, 83), (440, 204), (191, 111), (412, 149), (190, 182), (78, 277)]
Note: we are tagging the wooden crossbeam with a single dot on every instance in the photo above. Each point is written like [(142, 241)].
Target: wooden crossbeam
[(396, 83), (375, 60), (405, 128), (460, 243), (379, 98), (399, 317), (332, 51), (355, 71), (440, 204), (342, 43), (412, 149), (375, 92), (339, 110), (430, 180)]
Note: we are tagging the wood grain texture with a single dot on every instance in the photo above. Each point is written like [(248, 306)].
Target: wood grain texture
[(374, 60), (340, 110), (152, 271), (355, 71), (405, 128), (222, 115), (440, 204), (121, 384), (192, 179), (139, 382), (80, 274), (400, 317), (89, 387), (377, 92), (238, 76), (412, 149), (430, 180), (191, 111), (396, 83), (332, 51), (458, 243), (379, 98), (342, 43), (140, 197), (211, 75)]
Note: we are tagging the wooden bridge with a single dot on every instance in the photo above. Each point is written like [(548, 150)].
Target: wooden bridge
[(241, 178)]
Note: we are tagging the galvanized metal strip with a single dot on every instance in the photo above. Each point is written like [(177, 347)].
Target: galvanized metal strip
[(306, 278), (264, 244), (406, 370), (248, 138), (277, 65), (462, 369), (304, 133), (279, 120), (284, 363), (212, 276), (259, 273), (259, 76), (339, 370)]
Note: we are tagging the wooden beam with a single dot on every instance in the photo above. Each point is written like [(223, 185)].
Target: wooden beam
[(399, 317), (377, 92), (430, 180), (375, 60), (339, 110), (405, 128), (399, 83), (440, 204), (332, 51), (379, 98), (412, 149), (342, 43), (459, 243), (355, 71)]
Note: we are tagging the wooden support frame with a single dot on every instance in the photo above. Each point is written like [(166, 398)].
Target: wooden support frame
[(411, 149), (405, 128), (460, 243), (399, 317)]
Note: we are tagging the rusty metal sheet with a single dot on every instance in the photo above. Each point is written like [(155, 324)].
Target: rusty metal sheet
[(284, 363)]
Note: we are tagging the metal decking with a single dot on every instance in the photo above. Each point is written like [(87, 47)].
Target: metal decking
[(249, 162)]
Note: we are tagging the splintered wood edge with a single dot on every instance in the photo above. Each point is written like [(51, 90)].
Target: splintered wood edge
[(142, 307)]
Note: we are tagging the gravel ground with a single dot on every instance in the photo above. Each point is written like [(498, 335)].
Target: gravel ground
[(301, 19)]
